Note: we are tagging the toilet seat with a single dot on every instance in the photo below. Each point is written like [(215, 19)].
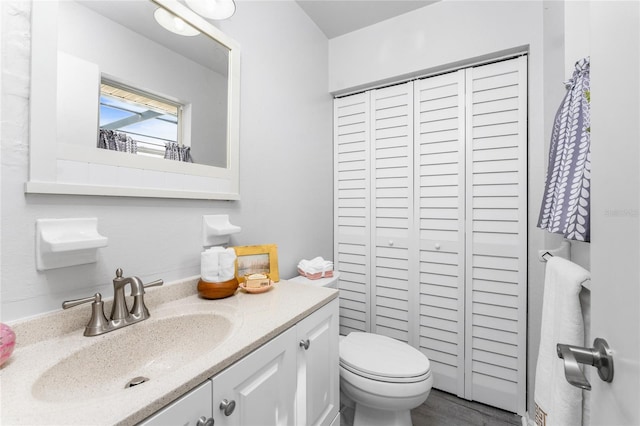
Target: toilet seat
[(383, 378), (381, 358)]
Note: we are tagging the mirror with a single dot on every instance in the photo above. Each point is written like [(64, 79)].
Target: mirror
[(137, 110)]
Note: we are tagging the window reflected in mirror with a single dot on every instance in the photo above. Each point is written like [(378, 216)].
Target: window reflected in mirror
[(140, 123)]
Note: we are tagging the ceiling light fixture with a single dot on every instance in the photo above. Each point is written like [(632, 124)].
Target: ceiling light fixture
[(213, 9), (174, 24)]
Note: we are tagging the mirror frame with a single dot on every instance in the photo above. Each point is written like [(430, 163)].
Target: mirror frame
[(56, 169)]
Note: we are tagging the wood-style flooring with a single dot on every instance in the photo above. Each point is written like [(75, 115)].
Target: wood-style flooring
[(443, 409)]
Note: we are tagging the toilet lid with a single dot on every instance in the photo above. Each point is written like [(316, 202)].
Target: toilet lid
[(381, 357)]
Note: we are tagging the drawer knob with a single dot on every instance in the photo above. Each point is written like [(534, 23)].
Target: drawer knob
[(305, 344), (203, 421), (227, 406)]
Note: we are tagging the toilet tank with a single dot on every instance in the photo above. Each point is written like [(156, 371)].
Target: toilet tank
[(331, 282)]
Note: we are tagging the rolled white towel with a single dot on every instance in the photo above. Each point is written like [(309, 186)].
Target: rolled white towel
[(227, 264), (210, 264)]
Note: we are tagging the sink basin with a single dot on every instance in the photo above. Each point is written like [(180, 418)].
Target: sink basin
[(152, 349)]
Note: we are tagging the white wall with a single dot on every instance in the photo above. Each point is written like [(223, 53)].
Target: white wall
[(577, 45), (452, 34), (285, 178), (615, 206)]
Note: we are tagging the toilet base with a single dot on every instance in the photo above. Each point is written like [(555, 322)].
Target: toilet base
[(367, 416)]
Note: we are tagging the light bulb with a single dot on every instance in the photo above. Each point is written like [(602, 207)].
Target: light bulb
[(213, 9), (178, 24), (172, 23)]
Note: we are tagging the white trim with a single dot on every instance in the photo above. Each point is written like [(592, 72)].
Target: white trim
[(484, 60), (114, 191), (523, 230)]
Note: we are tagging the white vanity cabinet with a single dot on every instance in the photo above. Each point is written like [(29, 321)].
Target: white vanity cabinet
[(192, 409), (318, 399), (260, 388), (293, 379)]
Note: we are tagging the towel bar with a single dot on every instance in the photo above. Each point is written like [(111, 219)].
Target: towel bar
[(563, 251)]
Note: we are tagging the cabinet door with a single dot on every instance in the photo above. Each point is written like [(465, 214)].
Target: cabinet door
[(351, 209), (185, 411), (262, 386), (318, 397), (496, 244), (392, 206), (440, 208)]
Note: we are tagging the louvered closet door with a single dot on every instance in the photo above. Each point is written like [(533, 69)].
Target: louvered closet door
[(352, 209), (496, 245), (392, 207), (439, 194)]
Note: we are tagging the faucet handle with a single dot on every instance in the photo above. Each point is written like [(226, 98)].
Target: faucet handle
[(153, 283), (98, 323), (75, 302)]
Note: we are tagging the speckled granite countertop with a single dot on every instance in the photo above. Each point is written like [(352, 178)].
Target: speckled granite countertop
[(45, 341)]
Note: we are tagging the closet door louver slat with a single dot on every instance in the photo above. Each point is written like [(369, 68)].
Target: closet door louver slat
[(352, 212), (496, 244), (439, 182), (392, 207)]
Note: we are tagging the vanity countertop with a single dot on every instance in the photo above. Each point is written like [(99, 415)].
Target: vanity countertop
[(47, 340)]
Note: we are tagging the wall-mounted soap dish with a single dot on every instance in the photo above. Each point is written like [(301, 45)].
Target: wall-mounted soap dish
[(216, 229), (67, 242)]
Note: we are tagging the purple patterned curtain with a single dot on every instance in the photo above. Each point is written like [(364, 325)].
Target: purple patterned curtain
[(566, 203)]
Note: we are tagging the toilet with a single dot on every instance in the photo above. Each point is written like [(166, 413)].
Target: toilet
[(383, 377)]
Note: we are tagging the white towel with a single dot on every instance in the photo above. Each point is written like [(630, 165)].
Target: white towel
[(227, 260), (210, 264), (557, 402), (315, 265)]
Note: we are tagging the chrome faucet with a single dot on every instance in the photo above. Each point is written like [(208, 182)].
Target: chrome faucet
[(121, 316)]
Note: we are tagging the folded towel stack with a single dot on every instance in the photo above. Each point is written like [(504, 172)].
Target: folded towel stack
[(315, 268), (217, 264)]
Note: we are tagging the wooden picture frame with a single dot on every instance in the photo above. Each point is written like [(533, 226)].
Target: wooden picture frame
[(257, 259)]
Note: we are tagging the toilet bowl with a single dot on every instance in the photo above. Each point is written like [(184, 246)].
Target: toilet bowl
[(384, 378)]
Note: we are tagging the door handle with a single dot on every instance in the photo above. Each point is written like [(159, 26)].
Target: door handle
[(599, 356)]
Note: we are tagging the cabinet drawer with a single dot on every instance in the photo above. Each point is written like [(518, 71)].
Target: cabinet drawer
[(185, 411)]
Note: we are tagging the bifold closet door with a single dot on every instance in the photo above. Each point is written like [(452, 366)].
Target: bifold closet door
[(352, 219), (392, 208), (431, 224), (440, 208), (496, 242)]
